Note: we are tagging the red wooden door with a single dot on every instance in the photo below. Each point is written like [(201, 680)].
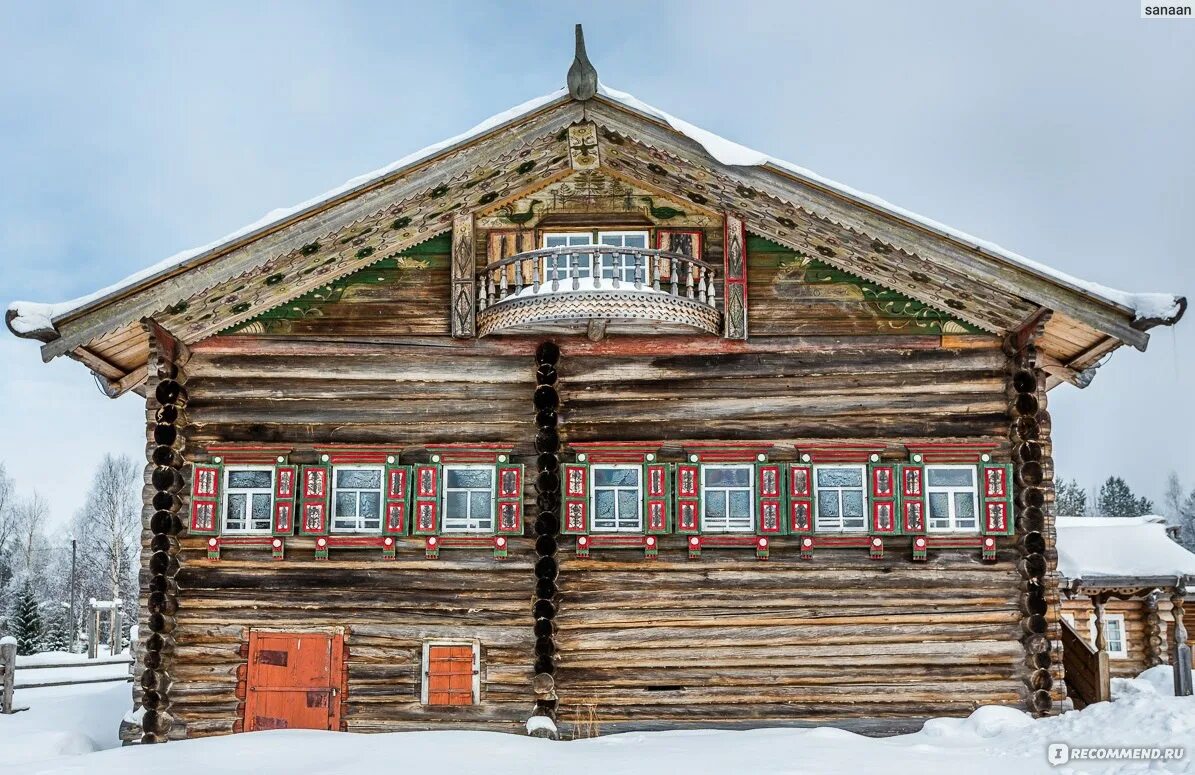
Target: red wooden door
[(449, 675), (294, 681)]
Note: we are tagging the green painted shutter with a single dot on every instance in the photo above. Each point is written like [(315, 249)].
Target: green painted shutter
[(995, 495), (769, 499), (912, 498), (656, 493), (426, 517), (206, 481), (315, 493), (286, 484), (396, 500), (574, 498), (688, 498), (510, 499), (800, 498), (881, 479)]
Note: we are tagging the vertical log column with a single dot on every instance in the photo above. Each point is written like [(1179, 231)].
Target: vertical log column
[(1153, 631), (1180, 651), (166, 404), (1033, 483), (547, 527)]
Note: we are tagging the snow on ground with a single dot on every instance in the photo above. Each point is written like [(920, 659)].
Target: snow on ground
[(991, 740)]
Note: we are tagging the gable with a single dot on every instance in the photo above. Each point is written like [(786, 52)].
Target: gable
[(491, 174)]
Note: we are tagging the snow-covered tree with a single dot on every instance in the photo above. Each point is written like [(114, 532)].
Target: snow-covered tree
[(1116, 499), (108, 529), (1172, 499), (25, 621), (1186, 520), (57, 634), (1070, 500)]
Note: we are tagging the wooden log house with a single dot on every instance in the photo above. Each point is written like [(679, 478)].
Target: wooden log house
[(589, 416)]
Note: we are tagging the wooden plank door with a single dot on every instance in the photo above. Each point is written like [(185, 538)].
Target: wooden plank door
[(450, 675), (295, 681)]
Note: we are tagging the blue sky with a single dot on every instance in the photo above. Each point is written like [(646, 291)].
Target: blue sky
[(1060, 130)]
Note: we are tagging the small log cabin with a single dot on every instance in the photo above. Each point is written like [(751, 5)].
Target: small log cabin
[(588, 420), (1124, 583)]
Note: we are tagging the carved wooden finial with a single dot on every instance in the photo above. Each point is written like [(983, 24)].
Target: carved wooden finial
[(582, 77)]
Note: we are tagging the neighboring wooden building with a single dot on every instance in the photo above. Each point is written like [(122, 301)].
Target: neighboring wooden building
[(1130, 575), (592, 416)]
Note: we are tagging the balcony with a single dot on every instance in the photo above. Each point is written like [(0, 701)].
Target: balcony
[(597, 289)]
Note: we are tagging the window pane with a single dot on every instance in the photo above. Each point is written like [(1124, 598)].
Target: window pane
[(346, 504), (261, 511), (827, 504), (454, 504), (616, 477), (261, 480), (634, 240), (852, 503), (469, 477), (371, 505), (950, 477), (628, 507), (839, 477), (236, 507), (604, 507), (715, 504), (359, 478), (964, 505), (479, 503), (939, 505), (740, 503), (727, 477)]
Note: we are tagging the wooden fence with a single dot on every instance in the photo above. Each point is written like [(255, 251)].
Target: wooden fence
[(9, 667), (1087, 677)]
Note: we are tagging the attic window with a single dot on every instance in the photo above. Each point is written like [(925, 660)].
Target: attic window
[(622, 266)]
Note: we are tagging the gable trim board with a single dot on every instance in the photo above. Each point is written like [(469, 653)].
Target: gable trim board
[(71, 328)]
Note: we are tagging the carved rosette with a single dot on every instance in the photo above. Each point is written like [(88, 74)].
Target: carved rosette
[(1029, 434), (166, 415), (547, 528)]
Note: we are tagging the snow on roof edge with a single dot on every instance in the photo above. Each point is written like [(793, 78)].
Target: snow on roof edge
[(1093, 547), (26, 318)]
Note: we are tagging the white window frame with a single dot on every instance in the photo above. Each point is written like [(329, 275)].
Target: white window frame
[(468, 528), (593, 468), (425, 665), (584, 262), (818, 523), (1123, 651), (726, 527), (381, 498), (226, 492), (951, 491), (617, 264)]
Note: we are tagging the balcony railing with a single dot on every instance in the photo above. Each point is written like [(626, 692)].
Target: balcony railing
[(598, 282)]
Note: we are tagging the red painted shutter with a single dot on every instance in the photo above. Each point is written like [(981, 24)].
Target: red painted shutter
[(656, 519), (206, 480), (688, 498), (315, 493), (426, 518), (912, 498), (286, 485), (396, 500), (510, 499), (574, 499), (769, 499), (800, 498), (995, 495), (882, 480)]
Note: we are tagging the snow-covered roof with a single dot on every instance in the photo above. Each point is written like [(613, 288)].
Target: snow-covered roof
[(1093, 547), (28, 318)]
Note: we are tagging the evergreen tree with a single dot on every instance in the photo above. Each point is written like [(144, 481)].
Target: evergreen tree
[(1116, 499), (1070, 500), (58, 632), (1186, 518), (26, 622)]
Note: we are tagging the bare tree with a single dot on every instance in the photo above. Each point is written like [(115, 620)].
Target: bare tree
[(7, 526), (108, 530)]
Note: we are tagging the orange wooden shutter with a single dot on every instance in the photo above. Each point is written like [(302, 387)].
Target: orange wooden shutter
[(450, 675)]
